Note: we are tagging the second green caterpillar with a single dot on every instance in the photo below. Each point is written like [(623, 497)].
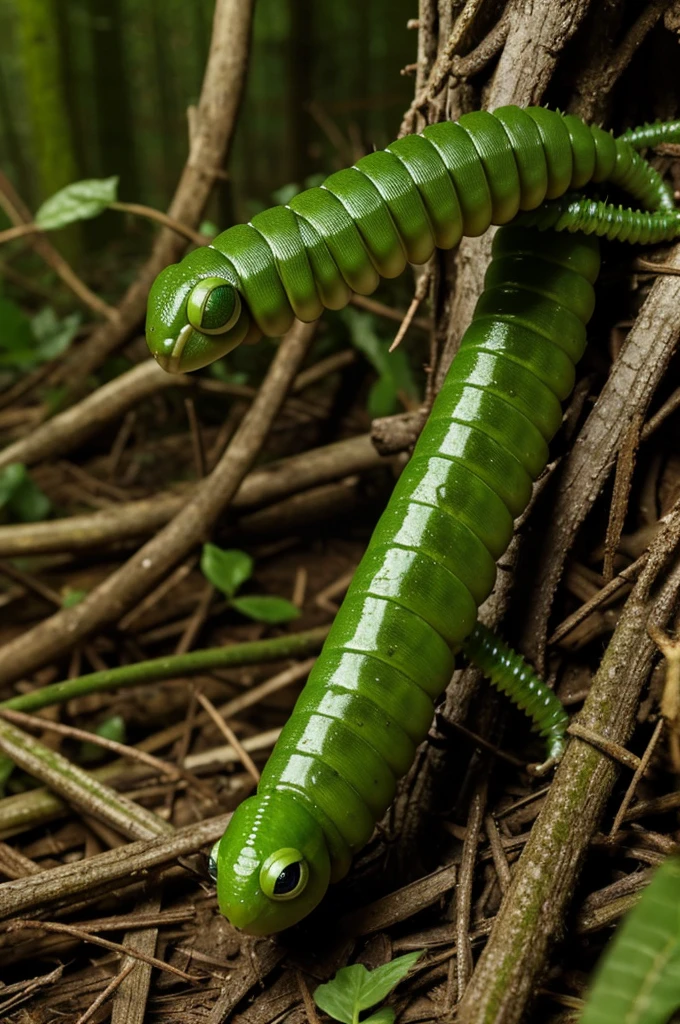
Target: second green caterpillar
[(413, 601)]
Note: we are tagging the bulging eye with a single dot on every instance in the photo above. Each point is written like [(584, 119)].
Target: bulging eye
[(284, 875), (288, 880), (213, 306), (212, 861)]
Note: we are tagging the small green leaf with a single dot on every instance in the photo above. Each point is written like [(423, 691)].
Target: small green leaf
[(221, 370), (226, 570), (11, 477), (72, 596), (209, 229), (364, 337), (80, 200), (400, 372), (354, 989), (386, 1015), (382, 398), (16, 335), (394, 372), (339, 997), (52, 334), (284, 194), (273, 610), (29, 504), (382, 980), (112, 728)]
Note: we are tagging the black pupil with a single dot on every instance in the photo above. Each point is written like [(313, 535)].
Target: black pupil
[(287, 880)]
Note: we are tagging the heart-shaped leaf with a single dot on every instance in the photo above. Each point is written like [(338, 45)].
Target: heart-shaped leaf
[(226, 570)]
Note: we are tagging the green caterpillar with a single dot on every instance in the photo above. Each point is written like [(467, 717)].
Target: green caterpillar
[(394, 206), (431, 561)]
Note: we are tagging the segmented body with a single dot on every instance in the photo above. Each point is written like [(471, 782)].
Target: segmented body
[(366, 222), (431, 561), (432, 557)]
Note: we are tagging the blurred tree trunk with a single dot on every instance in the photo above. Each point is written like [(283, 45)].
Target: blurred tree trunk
[(115, 111), (54, 156)]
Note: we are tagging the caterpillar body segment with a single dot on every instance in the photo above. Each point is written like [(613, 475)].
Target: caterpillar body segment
[(367, 222), (413, 601), (431, 561)]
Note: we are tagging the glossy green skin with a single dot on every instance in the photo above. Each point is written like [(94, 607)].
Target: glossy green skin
[(413, 602), (392, 207), (510, 673), (370, 697)]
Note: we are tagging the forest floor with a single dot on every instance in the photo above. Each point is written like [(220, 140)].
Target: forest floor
[(118, 771), (433, 876)]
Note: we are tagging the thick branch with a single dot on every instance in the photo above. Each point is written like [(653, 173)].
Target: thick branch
[(543, 30), (544, 881), (631, 384), (138, 519)]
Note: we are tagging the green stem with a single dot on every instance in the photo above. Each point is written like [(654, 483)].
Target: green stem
[(172, 667)]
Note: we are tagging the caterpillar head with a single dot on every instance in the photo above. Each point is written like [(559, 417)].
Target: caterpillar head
[(271, 866), (195, 313)]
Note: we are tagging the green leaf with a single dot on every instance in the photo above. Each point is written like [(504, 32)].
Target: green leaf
[(273, 610), (11, 477), (393, 369), (80, 200), (382, 980), (355, 988), (400, 371), (16, 335), (226, 570), (52, 334), (209, 229), (386, 1015), (22, 498), (364, 337), (221, 370), (339, 997), (112, 728), (72, 596), (29, 504), (285, 193), (382, 398), (638, 978)]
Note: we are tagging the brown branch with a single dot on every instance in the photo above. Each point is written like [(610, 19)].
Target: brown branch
[(545, 878), (115, 947), (634, 378), (79, 787), (474, 61), (20, 215), (623, 481), (130, 520), (140, 210), (107, 603), (122, 865), (215, 120), (72, 427), (543, 30), (439, 73), (595, 85)]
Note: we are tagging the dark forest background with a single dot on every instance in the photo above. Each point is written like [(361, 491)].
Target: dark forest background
[(93, 88)]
